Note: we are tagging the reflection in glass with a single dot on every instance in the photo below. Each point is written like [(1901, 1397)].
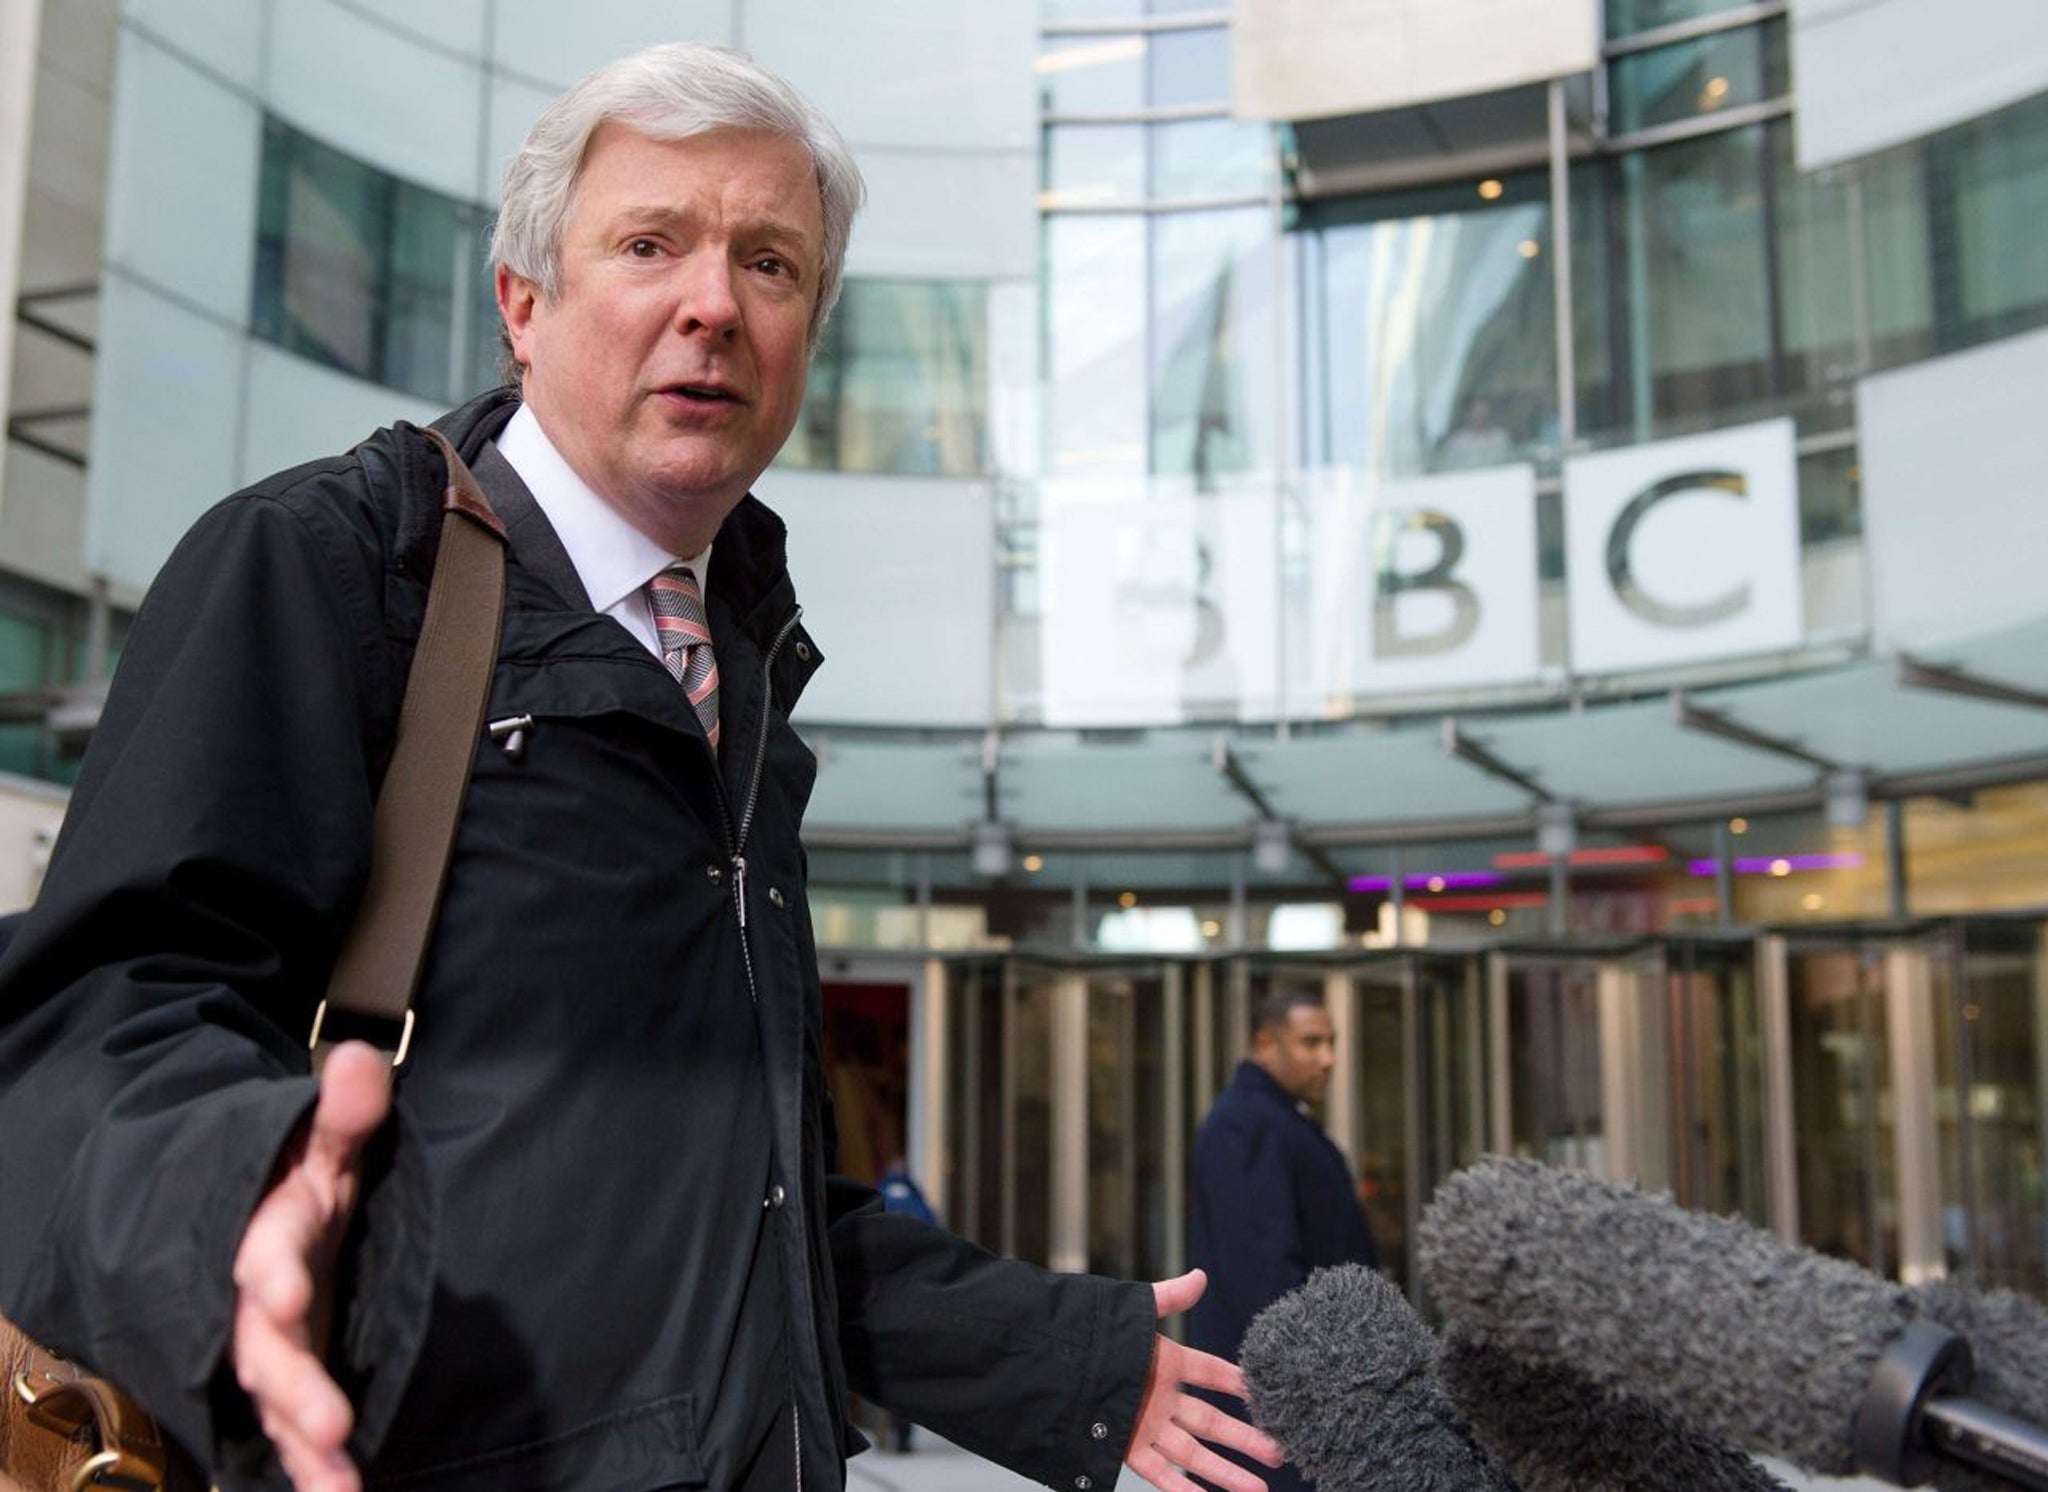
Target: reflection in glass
[(900, 382), (1190, 67), (1554, 1042), (359, 270), (1092, 74), (1212, 335), (1842, 1127), (1993, 175), (1095, 403), (1705, 76), (1378, 1145), (1992, 1043), (1625, 17), (1718, 1101), (1201, 158), (1087, 165), (1027, 1114), (1435, 316), (1126, 1115), (1697, 293)]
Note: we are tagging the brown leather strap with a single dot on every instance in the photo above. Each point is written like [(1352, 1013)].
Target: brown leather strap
[(74, 1430), (439, 724)]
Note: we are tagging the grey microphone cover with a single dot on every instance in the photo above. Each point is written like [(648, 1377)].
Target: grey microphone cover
[(1339, 1372), (1742, 1338), (2008, 1337), (1557, 1432)]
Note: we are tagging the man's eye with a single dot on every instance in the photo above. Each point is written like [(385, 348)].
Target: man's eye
[(643, 248), (772, 265)]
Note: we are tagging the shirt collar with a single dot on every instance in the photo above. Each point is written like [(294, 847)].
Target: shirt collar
[(613, 559)]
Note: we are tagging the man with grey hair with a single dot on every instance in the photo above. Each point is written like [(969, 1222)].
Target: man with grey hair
[(588, 1238)]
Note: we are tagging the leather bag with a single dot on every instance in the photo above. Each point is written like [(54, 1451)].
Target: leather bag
[(62, 1429)]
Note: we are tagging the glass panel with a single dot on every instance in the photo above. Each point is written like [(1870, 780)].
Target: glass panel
[(1090, 10), (1435, 315), (1096, 361), (1212, 344), (1897, 251), (1690, 79), (1197, 158), (899, 383), (1126, 1114), (1625, 17), (426, 260), (1092, 74), (973, 1192), (867, 1068), (1090, 164), (359, 270), (1815, 279), (2002, 1021), (1997, 183), (1697, 298), (1841, 1101), (1379, 1147), (1027, 1115), (1190, 67), (1554, 1045), (322, 222), (1719, 1079)]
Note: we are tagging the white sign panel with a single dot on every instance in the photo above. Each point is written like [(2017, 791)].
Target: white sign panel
[(1681, 550), (1156, 609), (1875, 73), (1425, 585), (897, 580), (1955, 492), (1310, 59)]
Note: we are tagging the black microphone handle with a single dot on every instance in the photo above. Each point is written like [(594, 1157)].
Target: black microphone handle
[(1915, 1413)]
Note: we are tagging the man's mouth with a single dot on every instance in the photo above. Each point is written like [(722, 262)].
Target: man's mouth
[(703, 393)]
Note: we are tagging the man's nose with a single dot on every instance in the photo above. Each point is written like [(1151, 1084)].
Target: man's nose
[(706, 298)]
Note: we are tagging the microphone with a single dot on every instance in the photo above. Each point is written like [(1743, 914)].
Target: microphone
[(1740, 1337), (1339, 1372), (1558, 1432)]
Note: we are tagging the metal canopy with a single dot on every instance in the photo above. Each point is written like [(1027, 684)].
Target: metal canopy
[(1970, 717)]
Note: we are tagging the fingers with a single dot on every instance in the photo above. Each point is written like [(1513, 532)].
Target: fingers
[(1171, 1297), (1202, 1369), (1189, 1454), (355, 1098), (1205, 1421), (1159, 1471), (304, 1413)]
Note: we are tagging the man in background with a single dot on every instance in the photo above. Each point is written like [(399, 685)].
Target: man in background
[(1272, 1199)]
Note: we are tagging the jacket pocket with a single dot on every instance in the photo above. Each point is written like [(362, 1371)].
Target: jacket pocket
[(635, 1450)]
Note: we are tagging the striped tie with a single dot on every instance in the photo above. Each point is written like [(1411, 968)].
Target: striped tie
[(685, 634)]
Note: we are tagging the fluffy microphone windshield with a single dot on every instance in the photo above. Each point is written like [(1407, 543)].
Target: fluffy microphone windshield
[(1339, 1372), (1557, 1432), (1743, 1338)]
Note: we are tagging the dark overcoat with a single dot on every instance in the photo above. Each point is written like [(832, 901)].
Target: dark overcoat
[(614, 1102)]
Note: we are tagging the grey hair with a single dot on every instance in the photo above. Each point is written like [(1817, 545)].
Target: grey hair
[(666, 92)]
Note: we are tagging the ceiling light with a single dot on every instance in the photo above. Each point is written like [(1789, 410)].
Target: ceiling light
[(1813, 901), (1127, 900), (1491, 189), (1212, 929), (1714, 94), (1034, 863), (1436, 884), (1781, 867), (1738, 826), (1497, 917), (1528, 248)]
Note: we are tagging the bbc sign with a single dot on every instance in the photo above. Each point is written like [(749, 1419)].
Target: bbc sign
[(1675, 552)]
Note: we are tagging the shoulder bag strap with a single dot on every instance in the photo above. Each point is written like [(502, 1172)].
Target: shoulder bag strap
[(439, 724)]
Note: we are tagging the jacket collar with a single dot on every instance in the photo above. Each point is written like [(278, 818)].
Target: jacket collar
[(752, 572), (1252, 1078)]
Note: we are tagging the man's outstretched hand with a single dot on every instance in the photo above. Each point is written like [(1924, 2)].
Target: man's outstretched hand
[(1172, 1423), (284, 1267)]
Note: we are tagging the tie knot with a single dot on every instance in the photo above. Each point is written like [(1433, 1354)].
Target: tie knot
[(678, 607)]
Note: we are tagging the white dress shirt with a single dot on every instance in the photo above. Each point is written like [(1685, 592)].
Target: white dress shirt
[(613, 559)]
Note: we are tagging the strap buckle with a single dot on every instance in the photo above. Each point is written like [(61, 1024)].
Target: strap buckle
[(397, 1057)]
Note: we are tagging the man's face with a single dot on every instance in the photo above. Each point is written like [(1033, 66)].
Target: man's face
[(669, 367), (1299, 1054)]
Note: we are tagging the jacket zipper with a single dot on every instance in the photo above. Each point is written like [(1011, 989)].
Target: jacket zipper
[(737, 840)]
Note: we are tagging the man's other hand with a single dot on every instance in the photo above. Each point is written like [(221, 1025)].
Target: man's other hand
[(1172, 1423), (285, 1265)]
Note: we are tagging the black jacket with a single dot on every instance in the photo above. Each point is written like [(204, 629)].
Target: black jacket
[(1272, 1199), (615, 1093)]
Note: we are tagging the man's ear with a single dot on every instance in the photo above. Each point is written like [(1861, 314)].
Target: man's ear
[(518, 298)]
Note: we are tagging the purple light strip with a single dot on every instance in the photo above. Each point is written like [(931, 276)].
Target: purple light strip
[(1763, 865), (1444, 880)]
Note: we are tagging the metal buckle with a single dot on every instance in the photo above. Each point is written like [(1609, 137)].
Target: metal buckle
[(88, 1473), (404, 1035), (21, 1386)]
